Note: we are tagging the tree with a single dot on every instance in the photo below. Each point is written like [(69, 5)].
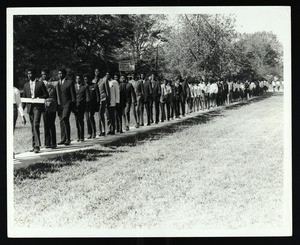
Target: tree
[(77, 42)]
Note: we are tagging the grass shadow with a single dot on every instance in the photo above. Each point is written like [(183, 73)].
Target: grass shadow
[(39, 170), (158, 133), (247, 102)]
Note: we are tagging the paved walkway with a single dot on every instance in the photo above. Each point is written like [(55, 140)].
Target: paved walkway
[(27, 158)]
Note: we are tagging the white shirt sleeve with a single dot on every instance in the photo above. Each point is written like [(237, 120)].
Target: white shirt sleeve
[(18, 101)]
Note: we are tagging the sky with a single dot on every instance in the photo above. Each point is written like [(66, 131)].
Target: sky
[(273, 19), (252, 19)]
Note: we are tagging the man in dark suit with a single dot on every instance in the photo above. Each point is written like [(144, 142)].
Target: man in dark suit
[(82, 100), (140, 101), (35, 89), (156, 93), (51, 106), (185, 93), (104, 92), (68, 99), (120, 108), (93, 105), (147, 91)]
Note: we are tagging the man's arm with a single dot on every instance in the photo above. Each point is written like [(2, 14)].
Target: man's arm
[(73, 93), (117, 91)]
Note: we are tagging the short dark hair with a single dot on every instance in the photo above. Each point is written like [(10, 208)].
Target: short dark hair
[(32, 69), (86, 75), (46, 70), (63, 71)]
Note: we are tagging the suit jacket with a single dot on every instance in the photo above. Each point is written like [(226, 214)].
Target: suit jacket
[(123, 96), (104, 90), (139, 90), (94, 97), (40, 91), (82, 97), (68, 96), (54, 99), (130, 93), (147, 90), (186, 93), (156, 90)]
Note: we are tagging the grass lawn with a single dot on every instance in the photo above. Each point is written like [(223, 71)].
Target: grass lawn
[(223, 170)]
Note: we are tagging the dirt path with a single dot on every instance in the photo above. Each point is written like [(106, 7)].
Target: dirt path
[(221, 171)]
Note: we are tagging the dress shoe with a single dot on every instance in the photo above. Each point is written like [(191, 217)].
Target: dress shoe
[(32, 150), (61, 142), (89, 137), (53, 146), (121, 131), (127, 128), (148, 124), (67, 142), (94, 136), (36, 150), (142, 124), (78, 140), (47, 146), (137, 126), (82, 140)]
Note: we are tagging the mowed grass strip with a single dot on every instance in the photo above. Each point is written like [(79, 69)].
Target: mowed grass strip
[(226, 173)]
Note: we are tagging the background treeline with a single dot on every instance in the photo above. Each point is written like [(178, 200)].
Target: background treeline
[(189, 45)]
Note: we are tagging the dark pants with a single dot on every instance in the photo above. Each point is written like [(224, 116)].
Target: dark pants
[(140, 110), (183, 102), (49, 128), (65, 130), (151, 101), (163, 111), (88, 123), (35, 119), (156, 106), (91, 123), (79, 117), (127, 113), (111, 118), (102, 110), (148, 109), (177, 107), (119, 114), (15, 115)]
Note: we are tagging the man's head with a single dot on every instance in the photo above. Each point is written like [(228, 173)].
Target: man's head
[(86, 78), (45, 74), (31, 74), (142, 75), (116, 77), (153, 76), (97, 72), (122, 78), (78, 78), (107, 75), (62, 73)]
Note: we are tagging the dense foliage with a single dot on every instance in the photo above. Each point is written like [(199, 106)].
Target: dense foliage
[(196, 45)]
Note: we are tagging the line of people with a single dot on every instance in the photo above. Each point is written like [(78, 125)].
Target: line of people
[(117, 98)]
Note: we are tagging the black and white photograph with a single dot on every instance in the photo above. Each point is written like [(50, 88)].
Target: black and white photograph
[(149, 121)]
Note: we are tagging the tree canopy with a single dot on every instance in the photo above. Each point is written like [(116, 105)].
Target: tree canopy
[(196, 45)]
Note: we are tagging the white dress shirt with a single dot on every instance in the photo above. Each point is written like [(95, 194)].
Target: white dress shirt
[(17, 101)]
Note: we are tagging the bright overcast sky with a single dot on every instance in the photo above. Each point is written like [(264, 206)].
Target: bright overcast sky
[(249, 19), (263, 19)]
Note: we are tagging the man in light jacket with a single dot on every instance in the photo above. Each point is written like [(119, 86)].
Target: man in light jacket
[(111, 109)]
